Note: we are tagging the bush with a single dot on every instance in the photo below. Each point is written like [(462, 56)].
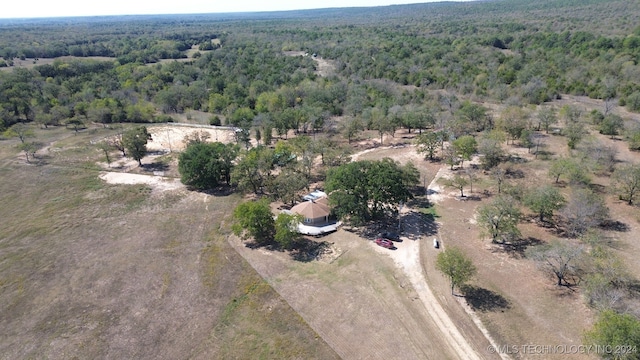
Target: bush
[(163, 118), (215, 120)]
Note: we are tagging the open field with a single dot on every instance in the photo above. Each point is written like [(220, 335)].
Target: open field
[(92, 270)]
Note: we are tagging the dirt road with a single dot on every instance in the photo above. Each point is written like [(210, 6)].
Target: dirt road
[(368, 302)]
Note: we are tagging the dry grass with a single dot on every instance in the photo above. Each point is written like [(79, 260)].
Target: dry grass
[(92, 270)]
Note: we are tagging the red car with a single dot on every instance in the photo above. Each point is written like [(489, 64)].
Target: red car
[(385, 243)]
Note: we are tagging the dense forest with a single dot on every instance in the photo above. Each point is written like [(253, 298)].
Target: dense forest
[(510, 52)]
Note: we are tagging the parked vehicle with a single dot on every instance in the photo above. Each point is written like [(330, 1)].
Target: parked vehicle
[(385, 243), (436, 244), (390, 235)]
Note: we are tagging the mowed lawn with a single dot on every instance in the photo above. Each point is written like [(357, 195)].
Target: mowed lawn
[(92, 270)]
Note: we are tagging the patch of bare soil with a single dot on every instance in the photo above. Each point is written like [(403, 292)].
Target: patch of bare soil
[(160, 183), (325, 67), (171, 137)]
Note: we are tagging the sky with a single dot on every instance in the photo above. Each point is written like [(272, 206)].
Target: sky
[(57, 8)]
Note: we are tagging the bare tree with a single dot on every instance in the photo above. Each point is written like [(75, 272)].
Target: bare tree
[(561, 259), (584, 210), (499, 175), (472, 176)]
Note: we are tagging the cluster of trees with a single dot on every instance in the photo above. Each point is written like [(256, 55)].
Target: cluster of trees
[(254, 220), (362, 191)]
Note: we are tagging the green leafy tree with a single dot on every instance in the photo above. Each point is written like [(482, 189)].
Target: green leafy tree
[(428, 144), (472, 117), (286, 230), (513, 120), (543, 201), (546, 117), (458, 182), (135, 141), (205, 165), (106, 149), (21, 131), (465, 146), (76, 124), (626, 182), (364, 190), (253, 219), (378, 120), (611, 125), (351, 126), (615, 331), (30, 148), (455, 265), (287, 184), (569, 168), (574, 132), (499, 219), (253, 170)]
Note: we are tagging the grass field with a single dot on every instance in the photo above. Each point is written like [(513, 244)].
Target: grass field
[(92, 270)]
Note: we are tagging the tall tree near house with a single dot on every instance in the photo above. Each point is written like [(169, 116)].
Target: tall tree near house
[(366, 190), (286, 230), (253, 219), (135, 141), (455, 265), (287, 184)]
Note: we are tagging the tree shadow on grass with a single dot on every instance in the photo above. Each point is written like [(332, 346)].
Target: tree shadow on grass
[(614, 225), (155, 166), (306, 250), (517, 248), (481, 299)]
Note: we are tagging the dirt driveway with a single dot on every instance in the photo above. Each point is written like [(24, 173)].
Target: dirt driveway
[(368, 302)]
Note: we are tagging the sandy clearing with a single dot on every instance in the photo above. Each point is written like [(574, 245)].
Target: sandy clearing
[(160, 183), (171, 137)]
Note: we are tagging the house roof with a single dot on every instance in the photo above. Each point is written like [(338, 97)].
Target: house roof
[(311, 210)]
